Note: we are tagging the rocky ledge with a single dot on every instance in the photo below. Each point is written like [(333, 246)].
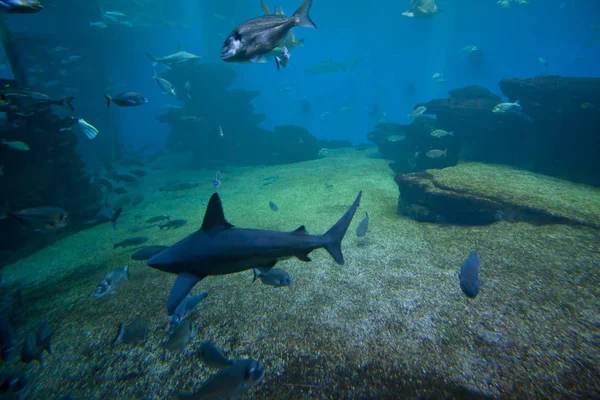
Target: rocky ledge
[(480, 194)]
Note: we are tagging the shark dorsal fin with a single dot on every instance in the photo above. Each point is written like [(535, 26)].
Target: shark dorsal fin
[(214, 217), (301, 230), (180, 48)]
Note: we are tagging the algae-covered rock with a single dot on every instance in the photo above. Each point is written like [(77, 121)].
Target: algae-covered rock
[(479, 194)]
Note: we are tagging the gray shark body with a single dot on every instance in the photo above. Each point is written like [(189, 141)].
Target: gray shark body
[(219, 248)]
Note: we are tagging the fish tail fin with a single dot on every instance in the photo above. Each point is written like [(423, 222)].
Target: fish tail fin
[(445, 152), (278, 62), (335, 235), (255, 275), (120, 335), (66, 102), (302, 13), (517, 102), (152, 58), (108, 100), (126, 275), (116, 217)]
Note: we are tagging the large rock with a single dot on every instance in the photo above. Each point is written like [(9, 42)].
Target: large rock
[(479, 194)]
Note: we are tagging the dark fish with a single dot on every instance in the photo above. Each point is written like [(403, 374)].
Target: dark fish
[(147, 252), (7, 339), (20, 6), (131, 242), (158, 219), (259, 36), (273, 206), (43, 337), (274, 277), (125, 178), (27, 102), (363, 227), (129, 99), (185, 308), (218, 248), (176, 187), (181, 337), (469, 276), (30, 351), (217, 180), (133, 333), (328, 186), (41, 218), (212, 357), (269, 180), (13, 386), (137, 199), (106, 183), (230, 382), (110, 281), (107, 214), (120, 190), (174, 224), (138, 172)]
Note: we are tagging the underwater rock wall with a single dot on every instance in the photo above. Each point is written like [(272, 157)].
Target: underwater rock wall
[(219, 126), (552, 134)]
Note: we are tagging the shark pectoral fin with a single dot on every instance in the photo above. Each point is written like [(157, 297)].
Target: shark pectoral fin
[(303, 257), (183, 285)]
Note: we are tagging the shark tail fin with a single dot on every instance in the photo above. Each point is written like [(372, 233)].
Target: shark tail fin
[(335, 235), (108, 100)]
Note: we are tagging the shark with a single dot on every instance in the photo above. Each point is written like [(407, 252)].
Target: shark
[(181, 56), (219, 248)]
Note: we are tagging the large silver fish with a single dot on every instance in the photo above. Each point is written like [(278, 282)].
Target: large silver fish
[(259, 36)]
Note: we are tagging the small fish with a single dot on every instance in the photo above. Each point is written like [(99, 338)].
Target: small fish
[(257, 37), (132, 334), (217, 180), (125, 178), (230, 382), (284, 59), (114, 13), (417, 111), (41, 218), (273, 206), (469, 276), (166, 86), (275, 277), (188, 89), (107, 214), (20, 146), (30, 351), (363, 227), (543, 62), (158, 219), (184, 309), (127, 24), (212, 357), (20, 6), (43, 337), (131, 242), (98, 24), (440, 133), (174, 224), (176, 187), (109, 283), (436, 153), (7, 339), (180, 57), (269, 180), (395, 138), (469, 49), (138, 172), (71, 59), (437, 75), (126, 99), (181, 336), (221, 131), (507, 107), (120, 190), (148, 252)]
